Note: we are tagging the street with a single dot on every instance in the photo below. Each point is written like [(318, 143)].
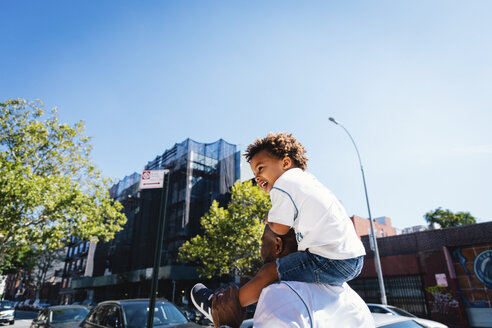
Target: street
[(23, 318)]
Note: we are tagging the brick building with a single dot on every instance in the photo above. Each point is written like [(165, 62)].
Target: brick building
[(458, 259), (382, 226)]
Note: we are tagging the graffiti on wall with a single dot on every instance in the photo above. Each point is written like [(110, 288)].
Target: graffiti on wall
[(483, 268), (475, 282), (442, 300)]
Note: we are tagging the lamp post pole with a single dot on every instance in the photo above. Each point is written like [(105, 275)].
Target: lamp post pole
[(377, 260)]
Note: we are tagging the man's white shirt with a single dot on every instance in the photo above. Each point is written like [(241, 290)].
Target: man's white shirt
[(304, 305), (321, 223)]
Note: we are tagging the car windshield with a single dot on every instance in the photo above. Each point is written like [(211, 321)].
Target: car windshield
[(164, 314), (68, 315), (403, 324), (6, 306), (403, 312)]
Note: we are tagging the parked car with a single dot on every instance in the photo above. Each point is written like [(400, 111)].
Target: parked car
[(39, 305), (7, 312), (90, 303), (60, 316), (25, 305), (133, 314), (393, 321), (393, 310)]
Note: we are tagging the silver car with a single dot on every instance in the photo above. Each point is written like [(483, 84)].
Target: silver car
[(393, 310), (7, 312)]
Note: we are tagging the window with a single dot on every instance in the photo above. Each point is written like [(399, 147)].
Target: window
[(68, 315), (43, 316), (112, 317)]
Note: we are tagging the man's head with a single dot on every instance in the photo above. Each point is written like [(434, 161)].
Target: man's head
[(271, 156), (274, 246)]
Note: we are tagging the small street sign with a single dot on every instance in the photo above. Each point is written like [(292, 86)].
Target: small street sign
[(441, 280), (152, 179)]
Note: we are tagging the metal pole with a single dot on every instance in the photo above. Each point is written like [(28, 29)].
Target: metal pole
[(377, 260), (157, 254)]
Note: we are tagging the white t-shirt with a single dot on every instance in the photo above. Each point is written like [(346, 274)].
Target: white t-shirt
[(305, 305), (321, 223)]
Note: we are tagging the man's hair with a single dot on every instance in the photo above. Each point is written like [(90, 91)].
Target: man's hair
[(289, 240), (280, 145)]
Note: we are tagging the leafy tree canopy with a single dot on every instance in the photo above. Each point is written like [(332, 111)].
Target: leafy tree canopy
[(49, 187), (446, 218), (231, 239)]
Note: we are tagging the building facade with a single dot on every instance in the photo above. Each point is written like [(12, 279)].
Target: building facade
[(74, 268), (442, 274), (199, 174), (382, 226)]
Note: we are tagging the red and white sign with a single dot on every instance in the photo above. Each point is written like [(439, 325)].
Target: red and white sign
[(152, 179), (441, 280)]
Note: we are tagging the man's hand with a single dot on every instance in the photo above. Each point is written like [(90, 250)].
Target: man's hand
[(226, 309)]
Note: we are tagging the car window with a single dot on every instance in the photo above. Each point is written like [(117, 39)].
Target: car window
[(43, 315), (97, 315), (112, 317), (68, 315), (377, 309), (403, 324), (4, 305), (403, 312), (164, 313)]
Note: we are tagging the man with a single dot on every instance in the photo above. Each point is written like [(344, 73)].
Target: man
[(291, 303)]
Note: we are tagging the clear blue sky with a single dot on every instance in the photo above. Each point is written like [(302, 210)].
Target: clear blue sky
[(411, 81)]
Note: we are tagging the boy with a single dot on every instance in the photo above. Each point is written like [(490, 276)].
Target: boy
[(329, 250)]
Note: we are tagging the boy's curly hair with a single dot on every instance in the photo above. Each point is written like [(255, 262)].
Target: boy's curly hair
[(279, 145)]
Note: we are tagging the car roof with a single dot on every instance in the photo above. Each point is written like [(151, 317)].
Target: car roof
[(381, 305), (62, 307), (134, 300), (384, 319)]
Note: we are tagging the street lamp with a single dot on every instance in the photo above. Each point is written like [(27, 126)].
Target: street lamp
[(377, 261)]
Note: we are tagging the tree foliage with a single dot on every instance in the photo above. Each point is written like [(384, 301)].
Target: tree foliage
[(446, 218), (231, 239), (49, 187)]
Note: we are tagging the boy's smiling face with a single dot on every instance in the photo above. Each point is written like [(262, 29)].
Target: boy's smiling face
[(268, 168)]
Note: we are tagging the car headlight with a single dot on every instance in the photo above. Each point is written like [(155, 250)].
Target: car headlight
[(6, 313)]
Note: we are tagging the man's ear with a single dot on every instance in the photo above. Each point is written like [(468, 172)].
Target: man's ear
[(287, 163), (279, 246)]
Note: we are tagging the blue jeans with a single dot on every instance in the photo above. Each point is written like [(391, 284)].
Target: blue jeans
[(307, 267)]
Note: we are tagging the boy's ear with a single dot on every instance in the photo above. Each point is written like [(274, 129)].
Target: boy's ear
[(286, 163)]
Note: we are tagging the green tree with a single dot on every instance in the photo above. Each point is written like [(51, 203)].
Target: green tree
[(231, 239), (446, 218), (49, 187)]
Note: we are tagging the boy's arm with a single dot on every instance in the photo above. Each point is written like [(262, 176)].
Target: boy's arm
[(283, 213)]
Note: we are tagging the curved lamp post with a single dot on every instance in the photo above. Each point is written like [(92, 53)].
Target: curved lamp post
[(377, 261)]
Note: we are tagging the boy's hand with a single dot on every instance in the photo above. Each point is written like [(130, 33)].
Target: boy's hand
[(226, 309)]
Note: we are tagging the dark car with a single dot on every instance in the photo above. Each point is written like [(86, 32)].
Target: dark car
[(60, 316), (133, 314), (7, 312)]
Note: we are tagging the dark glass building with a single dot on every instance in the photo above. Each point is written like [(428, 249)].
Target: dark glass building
[(199, 174)]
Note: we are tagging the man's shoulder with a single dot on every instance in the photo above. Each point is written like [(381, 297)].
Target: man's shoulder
[(298, 301)]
